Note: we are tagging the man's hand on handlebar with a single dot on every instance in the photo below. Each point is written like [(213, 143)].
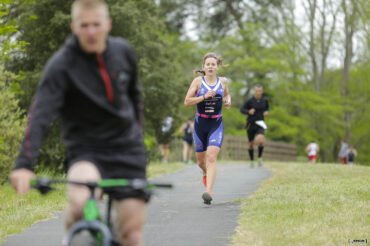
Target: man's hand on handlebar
[(20, 180)]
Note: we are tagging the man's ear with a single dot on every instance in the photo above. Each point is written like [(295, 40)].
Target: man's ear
[(110, 24)]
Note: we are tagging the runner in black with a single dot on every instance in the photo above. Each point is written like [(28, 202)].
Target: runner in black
[(256, 108), (351, 154), (187, 129)]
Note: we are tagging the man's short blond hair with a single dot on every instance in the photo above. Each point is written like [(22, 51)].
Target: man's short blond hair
[(79, 5)]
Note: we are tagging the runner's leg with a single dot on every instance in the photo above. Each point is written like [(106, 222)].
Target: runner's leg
[(201, 159), (251, 134), (212, 152), (166, 152), (185, 150), (261, 142), (190, 153)]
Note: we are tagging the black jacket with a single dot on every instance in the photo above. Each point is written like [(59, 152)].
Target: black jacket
[(260, 106), (97, 98)]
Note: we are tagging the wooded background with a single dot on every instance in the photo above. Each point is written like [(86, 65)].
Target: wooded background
[(311, 56)]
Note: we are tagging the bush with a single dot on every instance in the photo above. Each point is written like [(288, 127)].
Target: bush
[(12, 123)]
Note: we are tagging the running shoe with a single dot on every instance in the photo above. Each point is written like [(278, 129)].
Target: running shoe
[(207, 197), (252, 165), (260, 162)]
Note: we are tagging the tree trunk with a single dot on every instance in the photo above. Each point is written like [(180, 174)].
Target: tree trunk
[(349, 29)]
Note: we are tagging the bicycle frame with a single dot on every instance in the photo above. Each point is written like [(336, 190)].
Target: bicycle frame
[(91, 217)]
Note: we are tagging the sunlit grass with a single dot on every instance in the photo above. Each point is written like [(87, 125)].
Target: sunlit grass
[(305, 204), (19, 212), (156, 168)]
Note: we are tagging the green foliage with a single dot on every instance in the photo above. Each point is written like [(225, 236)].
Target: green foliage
[(159, 60), (359, 88), (151, 147), (11, 124), (260, 40), (45, 25), (8, 46), (234, 121)]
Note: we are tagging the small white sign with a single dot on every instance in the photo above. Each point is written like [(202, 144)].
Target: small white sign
[(262, 124)]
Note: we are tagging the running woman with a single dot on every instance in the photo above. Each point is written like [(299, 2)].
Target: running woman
[(208, 92), (256, 108)]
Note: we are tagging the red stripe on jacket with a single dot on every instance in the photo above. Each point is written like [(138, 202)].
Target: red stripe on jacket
[(28, 129), (106, 79)]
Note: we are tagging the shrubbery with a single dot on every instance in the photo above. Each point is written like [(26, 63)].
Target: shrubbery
[(12, 123)]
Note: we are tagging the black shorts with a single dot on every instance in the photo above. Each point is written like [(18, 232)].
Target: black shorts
[(188, 140), (115, 165), (165, 138), (253, 130)]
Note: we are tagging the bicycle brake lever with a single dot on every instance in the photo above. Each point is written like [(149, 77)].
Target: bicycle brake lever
[(42, 185)]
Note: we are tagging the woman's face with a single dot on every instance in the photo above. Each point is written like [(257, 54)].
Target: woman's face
[(210, 66)]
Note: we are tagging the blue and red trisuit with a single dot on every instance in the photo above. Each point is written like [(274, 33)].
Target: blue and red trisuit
[(208, 126)]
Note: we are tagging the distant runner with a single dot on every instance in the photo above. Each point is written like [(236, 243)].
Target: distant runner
[(256, 108), (351, 154), (343, 152), (312, 149), (187, 151)]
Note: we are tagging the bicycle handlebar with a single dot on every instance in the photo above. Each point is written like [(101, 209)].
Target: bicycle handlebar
[(44, 185)]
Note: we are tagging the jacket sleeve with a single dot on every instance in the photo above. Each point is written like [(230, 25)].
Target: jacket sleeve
[(245, 108), (134, 88), (267, 105), (47, 102)]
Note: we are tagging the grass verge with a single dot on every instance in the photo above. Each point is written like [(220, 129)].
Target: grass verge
[(19, 212), (305, 204)]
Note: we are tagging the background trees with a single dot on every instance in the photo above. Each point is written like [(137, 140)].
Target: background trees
[(312, 56)]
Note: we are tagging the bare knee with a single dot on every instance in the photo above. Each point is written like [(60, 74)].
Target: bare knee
[(201, 160), (261, 140), (77, 198), (82, 171), (211, 159), (131, 237), (250, 144)]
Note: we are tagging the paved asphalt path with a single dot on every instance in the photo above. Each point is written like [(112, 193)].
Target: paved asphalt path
[(177, 217)]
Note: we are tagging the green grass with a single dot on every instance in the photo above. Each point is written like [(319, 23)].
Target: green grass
[(19, 212), (306, 204), (156, 168)]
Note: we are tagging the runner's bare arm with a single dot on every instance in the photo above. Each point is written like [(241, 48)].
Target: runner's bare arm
[(182, 128), (227, 96), (191, 98)]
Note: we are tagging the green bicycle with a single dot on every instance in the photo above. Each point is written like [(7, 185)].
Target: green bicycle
[(101, 231)]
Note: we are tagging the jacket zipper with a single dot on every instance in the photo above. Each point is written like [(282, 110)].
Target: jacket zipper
[(106, 79)]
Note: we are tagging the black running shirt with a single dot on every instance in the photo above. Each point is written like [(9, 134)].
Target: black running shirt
[(260, 105)]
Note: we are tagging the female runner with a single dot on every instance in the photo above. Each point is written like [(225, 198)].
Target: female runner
[(208, 92)]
